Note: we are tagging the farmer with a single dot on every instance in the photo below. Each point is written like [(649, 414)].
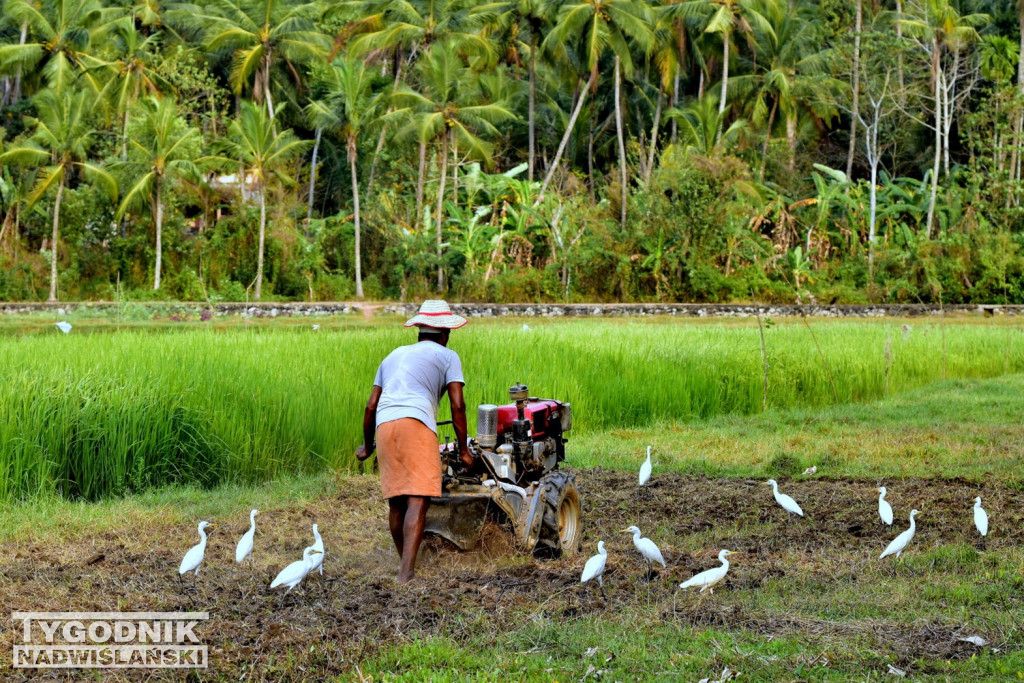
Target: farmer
[(403, 411)]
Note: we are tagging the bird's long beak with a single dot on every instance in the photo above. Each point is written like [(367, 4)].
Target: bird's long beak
[(211, 525), (623, 531), (764, 483)]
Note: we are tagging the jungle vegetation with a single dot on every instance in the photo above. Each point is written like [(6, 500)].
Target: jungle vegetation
[(512, 150)]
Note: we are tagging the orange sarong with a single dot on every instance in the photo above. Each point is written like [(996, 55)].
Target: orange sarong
[(409, 460)]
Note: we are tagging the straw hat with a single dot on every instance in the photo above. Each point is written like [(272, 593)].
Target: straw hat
[(436, 313)]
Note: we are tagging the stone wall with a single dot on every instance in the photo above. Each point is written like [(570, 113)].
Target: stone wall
[(472, 310)]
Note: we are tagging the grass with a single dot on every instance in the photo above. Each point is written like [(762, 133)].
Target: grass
[(805, 600), (105, 412)]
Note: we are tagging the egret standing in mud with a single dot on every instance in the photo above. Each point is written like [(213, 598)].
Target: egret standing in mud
[(787, 502), (646, 547), (194, 557), (706, 581), (645, 469), (318, 546), (980, 517), (292, 575), (244, 547), (900, 542), (594, 568), (884, 509)]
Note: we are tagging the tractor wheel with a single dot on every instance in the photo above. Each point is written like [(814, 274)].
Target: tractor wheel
[(560, 529)]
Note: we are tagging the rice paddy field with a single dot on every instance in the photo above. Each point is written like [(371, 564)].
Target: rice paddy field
[(118, 438), (105, 411)]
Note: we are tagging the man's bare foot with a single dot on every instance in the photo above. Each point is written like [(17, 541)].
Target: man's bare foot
[(401, 578)]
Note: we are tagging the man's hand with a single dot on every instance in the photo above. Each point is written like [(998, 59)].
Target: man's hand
[(362, 453), (467, 459)]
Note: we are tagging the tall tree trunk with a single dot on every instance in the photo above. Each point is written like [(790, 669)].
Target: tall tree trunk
[(565, 138), (532, 105), (767, 139), (791, 140), (590, 154), (675, 103), (420, 180), (355, 209), (312, 175), (858, 23), (1018, 123), (936, 76), (383, 130), (56, 235), (622, 144), (725, 75), (899, 54), (263, 233), (159, 233), (654, 137), (440, 208), (266, 85), (13, 89)]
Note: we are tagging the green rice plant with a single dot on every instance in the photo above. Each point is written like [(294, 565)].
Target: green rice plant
[(89, 415)]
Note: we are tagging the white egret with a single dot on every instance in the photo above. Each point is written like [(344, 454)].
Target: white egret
[(785, 501), (194, 557), (63, 326), (884, 509), (813, 469), (292, 575), (645, 469), (900, 542), (316, 327), (244, 548), (646, 546), (706, 580), (980, 517), (318, 546), (594, 568)]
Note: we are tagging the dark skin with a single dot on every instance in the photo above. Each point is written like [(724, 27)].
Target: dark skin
[(407, 515)]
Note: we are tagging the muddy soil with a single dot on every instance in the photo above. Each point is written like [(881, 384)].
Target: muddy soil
[(331, 624)]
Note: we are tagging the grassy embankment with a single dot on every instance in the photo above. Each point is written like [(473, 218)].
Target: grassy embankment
[(101, 412)]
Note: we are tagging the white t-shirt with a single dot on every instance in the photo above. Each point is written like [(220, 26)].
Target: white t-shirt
[(413, 379)]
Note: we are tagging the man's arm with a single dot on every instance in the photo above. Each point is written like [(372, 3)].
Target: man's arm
[(370, 424), (459, 421)]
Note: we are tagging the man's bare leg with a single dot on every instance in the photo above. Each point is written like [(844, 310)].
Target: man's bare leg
[(396, 519), (412, 533)]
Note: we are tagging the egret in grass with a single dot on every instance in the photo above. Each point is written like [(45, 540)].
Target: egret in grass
[(980, 517), (318, 546), (706, 581), (788, 504), (900, 542), (292, 575), (194, 557), (63, 326), (645, 469), (594, 568), (244, 547), (884, 509), (646, 547)]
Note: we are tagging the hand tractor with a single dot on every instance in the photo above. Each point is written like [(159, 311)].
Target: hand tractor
[(518, 448)]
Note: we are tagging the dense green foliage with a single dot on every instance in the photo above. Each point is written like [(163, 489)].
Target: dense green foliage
[(96, 414), (512, 150)]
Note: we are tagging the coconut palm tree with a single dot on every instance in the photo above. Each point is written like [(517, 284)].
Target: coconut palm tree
[(62, 137), (163, 149), (726, 17), (55, 36), (448, 112), (264, 151), (790, 74), (351, 104), (595, 27), (133, 71), (260, 34)]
